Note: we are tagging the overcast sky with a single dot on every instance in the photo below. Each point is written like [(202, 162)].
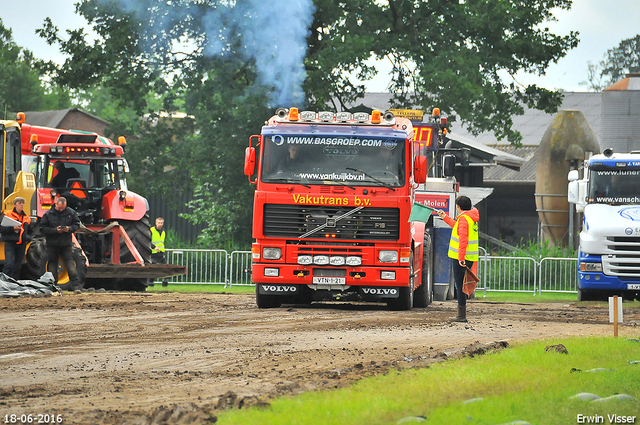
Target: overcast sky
[(602, 25)]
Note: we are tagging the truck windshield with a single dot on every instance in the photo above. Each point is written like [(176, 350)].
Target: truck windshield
[(614, 186), (354, 161)]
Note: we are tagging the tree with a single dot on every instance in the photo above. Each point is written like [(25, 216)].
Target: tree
[(234, 62), (20, 86), (623, 59), (618, 61), (449, 54)]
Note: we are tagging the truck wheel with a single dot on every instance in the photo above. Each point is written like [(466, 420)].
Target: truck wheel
[(424, 293), (405, 297), (135, 285), (267, 301), (590, 296), (36, 265), (140, 234)]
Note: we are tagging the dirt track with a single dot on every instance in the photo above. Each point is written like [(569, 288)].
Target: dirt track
[(147, 358)]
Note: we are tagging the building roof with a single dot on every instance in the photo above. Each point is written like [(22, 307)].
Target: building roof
[(531, 125), (55, 117), (487, 155), (527, 173), (630, 82)]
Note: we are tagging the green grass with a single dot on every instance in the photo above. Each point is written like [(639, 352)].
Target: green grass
[(520, 383), (526, 297), (519, 297), (204, 288)]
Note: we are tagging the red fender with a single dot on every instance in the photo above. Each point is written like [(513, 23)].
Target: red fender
[(133, 207)]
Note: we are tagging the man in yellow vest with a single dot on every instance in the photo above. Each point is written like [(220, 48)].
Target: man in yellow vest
[(157, 245), (463, 247)]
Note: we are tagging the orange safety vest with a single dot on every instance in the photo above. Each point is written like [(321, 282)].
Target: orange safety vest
[(22, 218)]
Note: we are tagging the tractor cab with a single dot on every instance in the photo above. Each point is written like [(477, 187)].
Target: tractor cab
[(83, 168)]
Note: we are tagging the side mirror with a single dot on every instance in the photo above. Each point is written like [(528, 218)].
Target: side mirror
[(449, 165), (573, 176), (249, 161), (573, 192), (420, 169)]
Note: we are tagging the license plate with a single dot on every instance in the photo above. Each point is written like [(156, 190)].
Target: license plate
[(633, 286), (330, 280)]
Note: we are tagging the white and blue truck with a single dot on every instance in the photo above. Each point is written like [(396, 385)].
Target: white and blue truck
[(608, 195)]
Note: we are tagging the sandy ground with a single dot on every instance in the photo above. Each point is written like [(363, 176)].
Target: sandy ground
[(155, 358)]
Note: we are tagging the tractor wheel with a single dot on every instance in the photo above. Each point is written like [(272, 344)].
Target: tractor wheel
[(140, 234), (35, 260), (36, 265)]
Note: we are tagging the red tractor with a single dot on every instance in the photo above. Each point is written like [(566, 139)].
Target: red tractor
[(113, 246)]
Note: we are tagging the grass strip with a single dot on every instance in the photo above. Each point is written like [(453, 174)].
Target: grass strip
[(519, 383), (203, 288)]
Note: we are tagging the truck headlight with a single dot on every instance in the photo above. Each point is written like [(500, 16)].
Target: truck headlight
[(388, 256), (321, 260), (354, 261), (336, 261), (305, 259), (271, 253), (591, 267)]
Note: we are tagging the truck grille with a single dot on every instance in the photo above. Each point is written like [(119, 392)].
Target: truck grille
[(293, 221), (626, 260)]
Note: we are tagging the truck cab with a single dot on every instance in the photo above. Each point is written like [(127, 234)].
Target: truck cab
[(609, 197), (334, 192)]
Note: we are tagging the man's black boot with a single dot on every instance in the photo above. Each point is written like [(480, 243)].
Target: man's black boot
[(462, 314)]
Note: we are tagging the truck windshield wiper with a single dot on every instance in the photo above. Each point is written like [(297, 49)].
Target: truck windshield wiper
[(281, 180), (375, 179)]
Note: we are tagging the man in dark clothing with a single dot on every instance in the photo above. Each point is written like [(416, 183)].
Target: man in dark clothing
[(64, 174), (58, 224), (293, 162), (15, 238)]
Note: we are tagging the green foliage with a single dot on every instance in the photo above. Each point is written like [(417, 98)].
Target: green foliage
[(445, 54), (618, 61), (174, 241), (539, 250), (439, 393), (20, 86), (622, 59), (230, 63)]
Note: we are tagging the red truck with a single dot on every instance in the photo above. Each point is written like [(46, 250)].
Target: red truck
[(334, 192)]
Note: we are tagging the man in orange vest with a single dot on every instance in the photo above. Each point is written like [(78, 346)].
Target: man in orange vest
[(463, 247), (15, 238)]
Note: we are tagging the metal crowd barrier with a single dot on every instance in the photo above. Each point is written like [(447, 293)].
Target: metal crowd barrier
[(526, 274), (203, 265), (496, 273)]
